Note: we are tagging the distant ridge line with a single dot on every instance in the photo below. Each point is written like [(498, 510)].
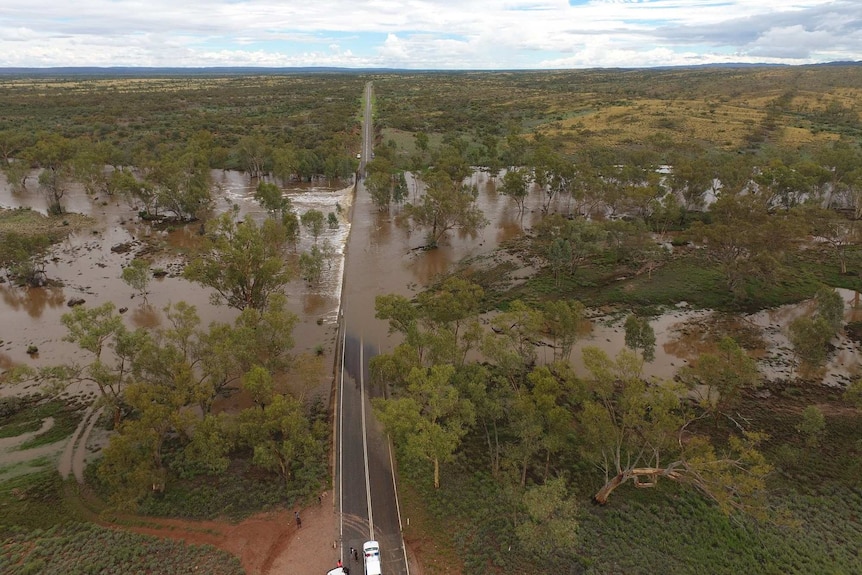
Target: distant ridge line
[(255, 70)]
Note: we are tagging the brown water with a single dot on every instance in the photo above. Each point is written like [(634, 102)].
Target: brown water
[(88, 269), (385, 257)]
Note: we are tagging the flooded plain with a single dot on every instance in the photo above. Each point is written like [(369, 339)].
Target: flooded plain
[(385, 256)]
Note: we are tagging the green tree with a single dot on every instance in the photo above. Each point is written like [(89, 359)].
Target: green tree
[(280, 437), (559, 257), (24, 257), (516, 185), (836, 230), (744, 240), (580, 238), (449, 314), (313, 221), (512, 345), (719, 378), (640, 337), (540, 416), (243, 262), (548, 526), (444, 206), (813, 425), (137, 276), (432, 417), (633, 430)]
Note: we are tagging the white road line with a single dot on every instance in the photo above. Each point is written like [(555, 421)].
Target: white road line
[(339, 410), (397, 506), (365, 437)]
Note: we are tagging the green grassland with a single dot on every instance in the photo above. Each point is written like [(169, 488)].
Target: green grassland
[(79, 548)]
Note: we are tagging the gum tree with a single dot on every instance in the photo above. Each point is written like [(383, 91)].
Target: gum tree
[(639, 431), (244, 262)]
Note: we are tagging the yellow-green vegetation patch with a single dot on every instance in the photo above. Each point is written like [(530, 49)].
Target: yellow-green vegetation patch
[(794, 137), (682, 120), (26, 222)]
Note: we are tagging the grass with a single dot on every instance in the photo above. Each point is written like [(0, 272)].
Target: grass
[(239, 492), (30, 416), (27, 222), (687, 278), (33, 501), (669, 529), (80, 548)]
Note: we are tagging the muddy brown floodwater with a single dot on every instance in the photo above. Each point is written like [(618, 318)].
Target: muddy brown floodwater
[(384, 259), (89, 269)]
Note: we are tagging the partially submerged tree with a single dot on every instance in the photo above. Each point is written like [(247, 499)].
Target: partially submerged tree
[(445, 205), (810, 335), (718, 379), (137, 276), (516, 185), (53, 153), (23, 257), (112, 350), (313, 221), (242, 261), (640, 336)]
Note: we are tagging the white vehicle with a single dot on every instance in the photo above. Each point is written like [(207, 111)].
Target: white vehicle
[(371, 552)]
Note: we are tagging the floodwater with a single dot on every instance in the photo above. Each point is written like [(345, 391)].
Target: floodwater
[(385, 256), (89, 269)]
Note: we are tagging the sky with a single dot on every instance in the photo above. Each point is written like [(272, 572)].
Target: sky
[(427, 34)]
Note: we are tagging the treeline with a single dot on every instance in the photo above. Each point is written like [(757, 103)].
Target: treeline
[(155, 140)]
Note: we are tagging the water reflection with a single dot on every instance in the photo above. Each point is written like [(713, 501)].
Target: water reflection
[(146, 316), (32, 300)]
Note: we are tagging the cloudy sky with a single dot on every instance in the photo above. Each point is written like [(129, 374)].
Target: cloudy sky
[(427, 34)]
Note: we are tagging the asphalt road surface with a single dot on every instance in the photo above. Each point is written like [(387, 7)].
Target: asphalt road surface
[(364, 473)]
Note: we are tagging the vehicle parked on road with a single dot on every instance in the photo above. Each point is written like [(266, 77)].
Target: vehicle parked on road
[(371, 552)]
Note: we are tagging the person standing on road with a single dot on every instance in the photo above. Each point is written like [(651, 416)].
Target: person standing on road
[(355, 554), (298, 520)]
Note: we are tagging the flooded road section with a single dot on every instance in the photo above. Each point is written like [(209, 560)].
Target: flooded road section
[(385, 256)]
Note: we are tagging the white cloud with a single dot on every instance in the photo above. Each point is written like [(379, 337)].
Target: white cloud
[(426, 33)]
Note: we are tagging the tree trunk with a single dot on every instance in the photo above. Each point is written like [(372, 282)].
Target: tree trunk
[(653, 473), (601, 497)]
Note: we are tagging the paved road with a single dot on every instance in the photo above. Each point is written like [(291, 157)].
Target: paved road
[(367, 132), (363, 466)]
